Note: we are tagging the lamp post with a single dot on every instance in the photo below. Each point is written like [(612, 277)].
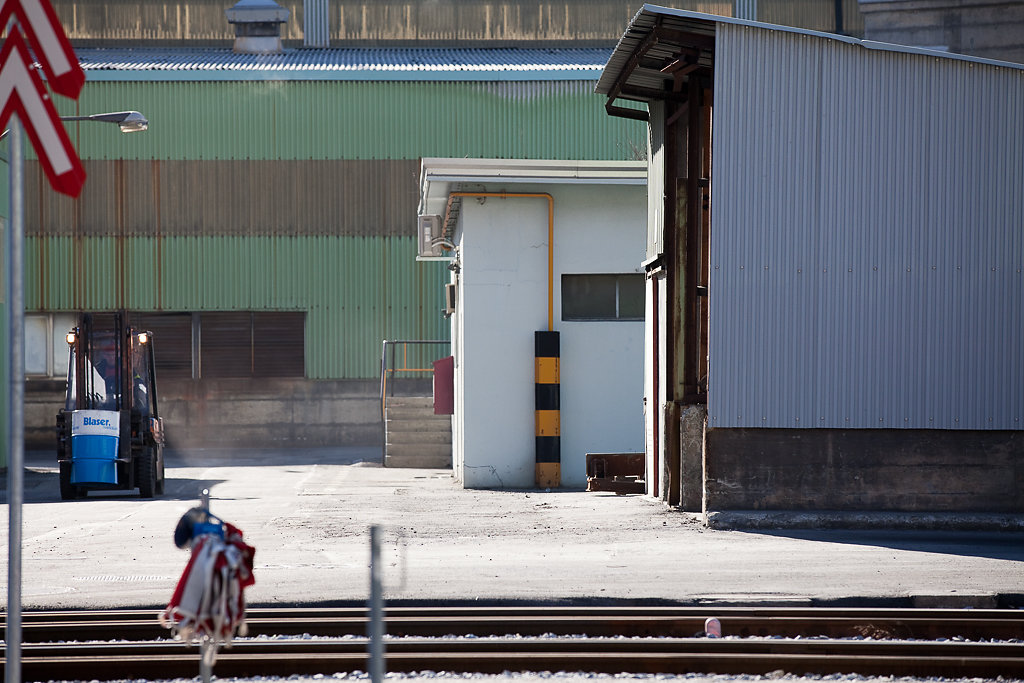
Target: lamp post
[(129, 121)]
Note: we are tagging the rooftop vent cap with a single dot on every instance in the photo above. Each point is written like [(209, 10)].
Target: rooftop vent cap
[(257, 26)]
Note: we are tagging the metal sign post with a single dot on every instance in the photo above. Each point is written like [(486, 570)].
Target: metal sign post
[(16, 404), (205, 656)]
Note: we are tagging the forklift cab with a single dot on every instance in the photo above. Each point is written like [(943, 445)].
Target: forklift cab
[(110, 433), (101, 375)]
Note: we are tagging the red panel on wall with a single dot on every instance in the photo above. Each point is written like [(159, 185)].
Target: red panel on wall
[(444, 386)]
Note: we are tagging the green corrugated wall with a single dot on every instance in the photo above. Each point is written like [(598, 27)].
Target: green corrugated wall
[(356, 290), (359, 286), (356, 120)]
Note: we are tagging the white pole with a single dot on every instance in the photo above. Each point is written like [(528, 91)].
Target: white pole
[(16, 407), (205, 670), (376, 625)]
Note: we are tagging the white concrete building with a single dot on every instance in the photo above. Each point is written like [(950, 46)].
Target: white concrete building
[(492, 219)]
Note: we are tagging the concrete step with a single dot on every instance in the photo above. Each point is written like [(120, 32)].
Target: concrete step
[(403, 402), (411, 411), (415, 436), (421, 424), (425, 437), (418, 455), (401, 450), (419, 461)]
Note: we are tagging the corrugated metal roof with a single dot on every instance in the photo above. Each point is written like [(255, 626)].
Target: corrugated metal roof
[(349, 64), (658, 33)]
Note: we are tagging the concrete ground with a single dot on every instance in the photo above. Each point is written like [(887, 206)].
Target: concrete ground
[(307, 512)]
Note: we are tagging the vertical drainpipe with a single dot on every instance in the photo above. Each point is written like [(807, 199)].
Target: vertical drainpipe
[(315, 24), (547, 401)]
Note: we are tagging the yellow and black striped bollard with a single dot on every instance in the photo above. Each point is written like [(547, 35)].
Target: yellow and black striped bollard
[(548, 417)]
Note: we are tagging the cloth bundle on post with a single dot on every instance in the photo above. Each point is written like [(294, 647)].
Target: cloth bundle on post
[(208, 604)]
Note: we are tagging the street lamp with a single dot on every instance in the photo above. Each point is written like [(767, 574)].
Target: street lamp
[(127, 121)]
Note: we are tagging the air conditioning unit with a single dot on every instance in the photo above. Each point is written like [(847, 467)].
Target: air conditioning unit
[(430, 239), (449, 298)]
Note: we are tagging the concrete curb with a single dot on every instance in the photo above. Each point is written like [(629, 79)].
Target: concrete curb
[(918, 521)]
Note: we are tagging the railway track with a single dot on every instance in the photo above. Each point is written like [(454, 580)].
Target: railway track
[(118, 644)]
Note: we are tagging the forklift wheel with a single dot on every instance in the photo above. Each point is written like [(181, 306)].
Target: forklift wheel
[(68, 491), (146, 472)]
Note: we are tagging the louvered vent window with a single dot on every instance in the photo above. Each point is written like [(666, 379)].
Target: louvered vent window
[(172, 342), (258, 344), (234, 344), (186, 345)]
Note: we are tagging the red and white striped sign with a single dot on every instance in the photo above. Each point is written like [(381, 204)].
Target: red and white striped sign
[(23, 91)]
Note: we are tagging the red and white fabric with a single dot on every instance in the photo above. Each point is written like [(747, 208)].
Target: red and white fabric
[(208, 604)]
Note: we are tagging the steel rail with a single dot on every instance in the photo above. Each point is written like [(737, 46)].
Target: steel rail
[(475, 645), (644, 622), (674, 656), (558, 610)]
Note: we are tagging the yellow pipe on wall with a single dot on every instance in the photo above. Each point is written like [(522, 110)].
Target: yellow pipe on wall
[(551, 236)]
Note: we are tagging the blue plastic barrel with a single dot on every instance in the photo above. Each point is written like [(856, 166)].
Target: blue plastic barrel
[(94, 435)]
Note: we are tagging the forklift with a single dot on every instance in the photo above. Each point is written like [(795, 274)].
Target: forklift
[(110, 435)]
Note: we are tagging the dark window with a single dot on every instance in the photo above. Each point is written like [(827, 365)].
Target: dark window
[(225, 345), (279, 344), (229, 344), (264, 344), (172, 342), (603, 297)]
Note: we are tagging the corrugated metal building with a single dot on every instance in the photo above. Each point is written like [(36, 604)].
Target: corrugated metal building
[(835, 269), (422, 23), (264, 225), (274, 187)]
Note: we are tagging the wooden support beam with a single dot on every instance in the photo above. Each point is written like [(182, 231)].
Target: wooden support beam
[(683, 39)]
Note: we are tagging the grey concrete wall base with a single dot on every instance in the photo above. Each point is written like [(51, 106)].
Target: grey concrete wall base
[(692, 421), (211, 413), (906, 470), (785, 519)]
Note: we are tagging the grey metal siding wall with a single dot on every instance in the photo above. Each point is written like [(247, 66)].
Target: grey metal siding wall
[(867, 237), (420, 22)]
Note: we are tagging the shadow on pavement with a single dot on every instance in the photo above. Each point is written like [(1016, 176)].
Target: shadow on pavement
[(42, 486), (997, 545), (41, 483)]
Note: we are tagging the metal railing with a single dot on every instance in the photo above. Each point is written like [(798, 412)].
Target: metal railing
[(389, 364)]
